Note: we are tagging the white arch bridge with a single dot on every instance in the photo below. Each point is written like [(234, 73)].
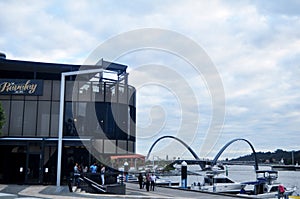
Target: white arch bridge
[(199, 161)]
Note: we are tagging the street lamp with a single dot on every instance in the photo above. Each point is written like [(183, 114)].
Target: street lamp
[(126, 170), (184, 174)]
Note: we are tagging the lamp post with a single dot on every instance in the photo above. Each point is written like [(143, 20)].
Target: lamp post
[(126, 170), (184, 174), (61, 114)]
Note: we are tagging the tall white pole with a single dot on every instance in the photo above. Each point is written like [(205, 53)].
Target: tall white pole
[(60, 127), (61, 114)]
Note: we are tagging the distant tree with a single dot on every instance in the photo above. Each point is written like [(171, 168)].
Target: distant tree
[(2, 117)]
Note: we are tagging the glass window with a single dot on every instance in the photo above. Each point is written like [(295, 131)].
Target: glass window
[(114, 93), (107, 91), (54, 119), (110, 146), (56, 90), (98, 92), (132, 125), (29, 128), (82, 121), (71, 91), (6, 108), (85, 91), (69, 119), (98, 145), (131, 148), (46, 90), (122, 94), (120, 113), (43, 125), (16, 118), (131, 96), (122, 147), (109, 122)]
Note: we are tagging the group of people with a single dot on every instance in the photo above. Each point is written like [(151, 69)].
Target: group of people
[(93, 169), (147, 181)]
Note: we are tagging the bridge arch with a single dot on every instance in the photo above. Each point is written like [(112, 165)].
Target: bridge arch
[(177, 139), (229, 143)]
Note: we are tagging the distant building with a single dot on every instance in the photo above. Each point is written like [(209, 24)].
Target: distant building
[(134, 160), (99, 113)]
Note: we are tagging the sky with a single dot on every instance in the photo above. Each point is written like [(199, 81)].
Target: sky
[(206, 72)]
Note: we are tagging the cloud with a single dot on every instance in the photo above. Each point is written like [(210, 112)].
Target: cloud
[(253, 44)]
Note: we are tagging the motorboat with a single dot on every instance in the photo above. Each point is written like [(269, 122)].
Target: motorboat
[(161, 181), (216, 181), (265, 186)]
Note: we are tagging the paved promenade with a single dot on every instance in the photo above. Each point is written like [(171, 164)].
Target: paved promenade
[(132, 191)]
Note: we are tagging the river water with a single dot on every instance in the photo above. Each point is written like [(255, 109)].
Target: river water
[(242, 173)]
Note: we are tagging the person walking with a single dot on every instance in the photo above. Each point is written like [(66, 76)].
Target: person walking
[(76, 174), (148, 179), (102, 171), (144, 180), (140, 178), (153, 180)]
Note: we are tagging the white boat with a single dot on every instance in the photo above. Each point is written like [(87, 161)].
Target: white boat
[(161, 181), (215, 181), (265, 186)]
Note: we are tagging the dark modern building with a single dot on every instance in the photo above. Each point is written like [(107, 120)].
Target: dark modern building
[(99, 117)]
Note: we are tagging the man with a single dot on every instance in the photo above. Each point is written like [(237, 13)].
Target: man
[(102, 175), (93, 168), (153, 180), (76, 174)]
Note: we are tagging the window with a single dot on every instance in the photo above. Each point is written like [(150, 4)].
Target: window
[(110, 146), (122, 147)]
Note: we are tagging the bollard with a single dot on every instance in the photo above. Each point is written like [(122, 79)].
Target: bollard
[(184, 175)]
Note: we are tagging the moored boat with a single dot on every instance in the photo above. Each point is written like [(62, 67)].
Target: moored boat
[(216, 181), (266, 186), (161, 181)]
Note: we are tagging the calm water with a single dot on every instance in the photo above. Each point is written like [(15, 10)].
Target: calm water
[(247, 173)]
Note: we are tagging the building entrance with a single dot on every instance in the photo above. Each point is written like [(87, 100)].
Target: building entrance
[(33, 169), (34, 163)]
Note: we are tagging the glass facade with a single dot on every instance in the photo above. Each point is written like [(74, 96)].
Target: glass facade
[(98, 112), (103, 113)]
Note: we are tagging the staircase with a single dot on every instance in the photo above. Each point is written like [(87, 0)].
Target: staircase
[(90, 186)]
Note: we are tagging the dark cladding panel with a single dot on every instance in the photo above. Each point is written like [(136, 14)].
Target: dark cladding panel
[(54, 119), (46, 94), (56, 90), (30, 112), (16, 118), (43, 124)]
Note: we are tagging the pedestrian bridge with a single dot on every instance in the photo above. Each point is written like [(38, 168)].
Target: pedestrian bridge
[(203, 162)]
